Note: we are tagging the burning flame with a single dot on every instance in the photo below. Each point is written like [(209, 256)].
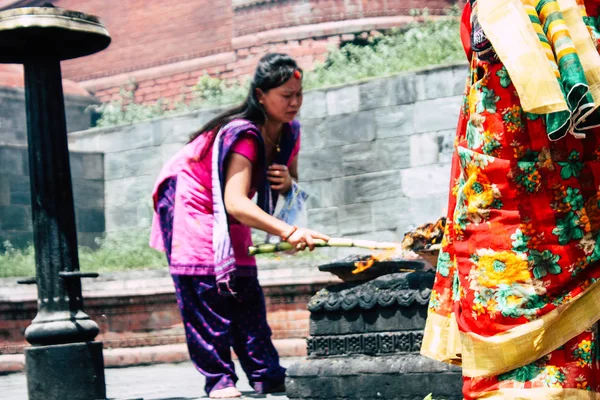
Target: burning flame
[(363, 265), (423, 238)]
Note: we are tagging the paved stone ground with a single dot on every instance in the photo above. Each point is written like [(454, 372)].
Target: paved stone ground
[(156, 382)]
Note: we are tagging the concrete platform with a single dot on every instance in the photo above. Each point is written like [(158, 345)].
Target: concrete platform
[(177, 381)]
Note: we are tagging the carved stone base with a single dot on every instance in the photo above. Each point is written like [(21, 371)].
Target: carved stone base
[(384, 343), (397, 377), (364, 344)]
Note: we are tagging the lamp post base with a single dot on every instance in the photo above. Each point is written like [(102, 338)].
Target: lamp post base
[(72, 371)]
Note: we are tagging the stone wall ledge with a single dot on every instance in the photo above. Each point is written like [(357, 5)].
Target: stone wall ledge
[(290, 272)]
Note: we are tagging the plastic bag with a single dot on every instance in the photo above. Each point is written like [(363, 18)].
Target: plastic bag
[(290, 208)]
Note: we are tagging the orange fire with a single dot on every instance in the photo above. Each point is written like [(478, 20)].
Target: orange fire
[(364, 265)]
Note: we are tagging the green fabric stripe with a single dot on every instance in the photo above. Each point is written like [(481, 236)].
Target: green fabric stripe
[(572, 81), (541, 4), (556, 16), (535, 19), (590, 22), (543, 38), (557, 124)]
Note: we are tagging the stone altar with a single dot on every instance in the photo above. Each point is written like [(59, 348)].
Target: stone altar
[(365, 337)]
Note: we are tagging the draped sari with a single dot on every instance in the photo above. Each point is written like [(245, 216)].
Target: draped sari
[(517, 292)]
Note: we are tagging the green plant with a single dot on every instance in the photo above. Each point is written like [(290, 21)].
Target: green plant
[(211, 91), (17, 262), (116, 252), (126, 111), (121, 251), (417, 45)]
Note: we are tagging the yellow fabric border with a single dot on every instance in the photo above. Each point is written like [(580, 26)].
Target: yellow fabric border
[(509, 30), (488, 356), (441, 339), (541, 394)]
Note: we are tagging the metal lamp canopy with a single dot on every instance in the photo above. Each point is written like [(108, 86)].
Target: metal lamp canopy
[(47, 32)]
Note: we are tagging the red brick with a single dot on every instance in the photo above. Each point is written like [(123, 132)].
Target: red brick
[(164, 80), (175, 85), (197, 74), (111, 91), (187, 89), (147, 89), (149, 82), (243, 53), (170, 93), (151, 97), (180, 77), (227, 75)]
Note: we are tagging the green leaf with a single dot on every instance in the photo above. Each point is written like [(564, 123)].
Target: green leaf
[(504, 77), (489, 99)]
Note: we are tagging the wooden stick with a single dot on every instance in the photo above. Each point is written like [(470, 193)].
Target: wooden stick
[(265, 248)]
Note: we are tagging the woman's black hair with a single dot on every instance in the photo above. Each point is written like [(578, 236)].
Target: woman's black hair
[(273, 70)]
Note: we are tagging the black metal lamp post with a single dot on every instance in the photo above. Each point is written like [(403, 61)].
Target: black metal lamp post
[(63, 362)]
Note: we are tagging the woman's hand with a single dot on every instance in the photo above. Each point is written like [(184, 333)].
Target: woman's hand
[(280, 178), (303, 238)]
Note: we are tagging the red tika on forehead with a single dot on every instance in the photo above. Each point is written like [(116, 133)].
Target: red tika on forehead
[(297, 74)]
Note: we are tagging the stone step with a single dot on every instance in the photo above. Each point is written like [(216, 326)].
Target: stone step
[(150, 355)]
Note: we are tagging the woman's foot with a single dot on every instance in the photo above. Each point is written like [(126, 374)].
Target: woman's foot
[(226, 393)]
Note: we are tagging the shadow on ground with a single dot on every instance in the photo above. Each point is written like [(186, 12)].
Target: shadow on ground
[(245, 395)]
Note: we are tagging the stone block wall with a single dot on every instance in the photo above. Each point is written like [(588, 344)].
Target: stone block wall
[(13, 120), (375, 156), (15, 198), (133, 157)]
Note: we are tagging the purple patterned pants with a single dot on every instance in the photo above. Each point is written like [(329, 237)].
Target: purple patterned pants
[(214, 324)]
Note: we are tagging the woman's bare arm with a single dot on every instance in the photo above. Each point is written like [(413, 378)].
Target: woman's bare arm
[(237, 185)]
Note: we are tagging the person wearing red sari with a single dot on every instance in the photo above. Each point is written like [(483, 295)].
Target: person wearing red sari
[(516, 299)]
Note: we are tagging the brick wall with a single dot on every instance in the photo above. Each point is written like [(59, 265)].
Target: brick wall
[(174, 83), (139, 308), (166, 46), (257, 16), (178, 86), (151, 32)]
